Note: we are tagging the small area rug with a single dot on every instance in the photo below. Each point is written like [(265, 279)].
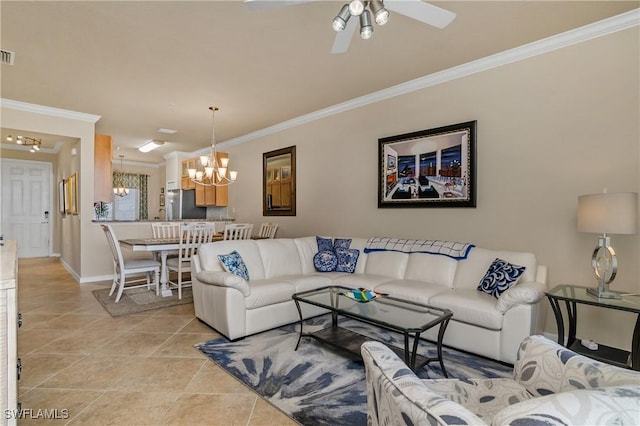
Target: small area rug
[(316, 385), (139, 300)]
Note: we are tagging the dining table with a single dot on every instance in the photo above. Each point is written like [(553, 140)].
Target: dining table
[(163, 246)]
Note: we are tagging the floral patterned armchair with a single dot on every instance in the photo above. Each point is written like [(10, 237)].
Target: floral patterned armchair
[(551, 385)]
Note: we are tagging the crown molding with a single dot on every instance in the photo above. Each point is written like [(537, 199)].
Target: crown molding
[(568, 38), (45, 110)]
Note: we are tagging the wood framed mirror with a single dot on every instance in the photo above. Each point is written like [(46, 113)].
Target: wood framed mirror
[(279, 182)]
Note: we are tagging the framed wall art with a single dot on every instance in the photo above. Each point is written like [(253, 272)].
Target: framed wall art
[(428, 168), (61, 197)]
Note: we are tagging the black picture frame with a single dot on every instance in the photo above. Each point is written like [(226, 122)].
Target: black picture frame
[(429, 168)]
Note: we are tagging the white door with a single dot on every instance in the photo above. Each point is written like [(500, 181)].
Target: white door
[(26, 206)]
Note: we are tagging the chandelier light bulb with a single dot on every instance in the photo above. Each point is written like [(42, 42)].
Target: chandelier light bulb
[(340, 21), (199, 174), (356, 7), (233, 174), (381, 15), (366, 30), (204, 160), (224, 162)]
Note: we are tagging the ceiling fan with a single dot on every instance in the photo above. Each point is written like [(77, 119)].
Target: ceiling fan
[(346, 20)]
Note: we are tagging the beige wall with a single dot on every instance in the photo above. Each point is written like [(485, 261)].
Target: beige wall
[(69, 227), (550, 128)]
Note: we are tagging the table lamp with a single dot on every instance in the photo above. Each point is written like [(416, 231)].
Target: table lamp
[(607, 213)]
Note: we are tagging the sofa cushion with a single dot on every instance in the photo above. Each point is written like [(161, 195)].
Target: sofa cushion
[(431, 268), (248, 249), (280, 257), (308, 282), (470, 306), (411, 290), (387, 263), (268, 292), (325, 261), (346, 259), (359, 244), (470, 271), (499, 277), (307, 248), (233, 263), (356, 280)]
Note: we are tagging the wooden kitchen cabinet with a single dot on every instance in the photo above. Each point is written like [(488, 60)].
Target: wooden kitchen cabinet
[(103, 168), (187, 183)]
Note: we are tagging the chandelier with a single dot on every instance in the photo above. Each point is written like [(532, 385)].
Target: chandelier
[(118, 186), (27, 141), (360, 8), (211, 170)]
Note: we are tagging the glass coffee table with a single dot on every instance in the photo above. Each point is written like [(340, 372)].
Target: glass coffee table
[(391, 313)]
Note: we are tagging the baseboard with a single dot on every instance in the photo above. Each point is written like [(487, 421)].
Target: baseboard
[(70, 270), (96, 278)]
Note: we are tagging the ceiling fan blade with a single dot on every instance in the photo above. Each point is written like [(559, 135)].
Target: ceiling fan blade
[(423, 12), (343, 38), (269, 4)]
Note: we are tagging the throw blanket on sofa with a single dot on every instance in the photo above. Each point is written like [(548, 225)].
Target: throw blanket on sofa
[(452, 249)]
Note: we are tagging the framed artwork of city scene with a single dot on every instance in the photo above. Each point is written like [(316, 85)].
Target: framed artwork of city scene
[(428, 168)]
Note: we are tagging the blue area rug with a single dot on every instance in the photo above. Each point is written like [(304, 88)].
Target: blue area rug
[(317, 385)]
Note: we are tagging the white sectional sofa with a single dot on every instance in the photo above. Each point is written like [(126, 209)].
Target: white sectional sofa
[(278, 268)]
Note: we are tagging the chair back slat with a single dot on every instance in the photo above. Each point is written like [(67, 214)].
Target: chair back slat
[(165, 229), (268, 230), (116, 252), (238, 231), (193, 235)]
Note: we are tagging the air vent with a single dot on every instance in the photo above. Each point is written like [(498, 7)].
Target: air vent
[(7, 57)]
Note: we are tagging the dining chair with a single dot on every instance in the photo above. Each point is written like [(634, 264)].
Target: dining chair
[(237, 231), (192, 236), (268, 230), (123, 268), (165, 229)]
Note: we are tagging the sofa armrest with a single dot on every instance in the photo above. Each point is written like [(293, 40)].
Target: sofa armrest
[(521, 293), (544, 367), (225, 279), (609, 405), (395, 395)]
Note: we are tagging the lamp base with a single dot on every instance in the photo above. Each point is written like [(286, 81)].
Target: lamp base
[(603, 294)]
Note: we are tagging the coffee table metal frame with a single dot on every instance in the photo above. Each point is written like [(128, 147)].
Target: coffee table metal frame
[(379, 312)]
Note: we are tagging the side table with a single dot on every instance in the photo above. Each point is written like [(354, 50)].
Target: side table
[(573, 295)]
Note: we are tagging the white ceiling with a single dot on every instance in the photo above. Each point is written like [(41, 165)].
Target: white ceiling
[(148, 65)]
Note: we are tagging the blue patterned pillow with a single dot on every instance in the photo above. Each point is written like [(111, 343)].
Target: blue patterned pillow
[(233, 263), (347, 259), (325, 261), (324, 244), (341, 243), (499, 277)]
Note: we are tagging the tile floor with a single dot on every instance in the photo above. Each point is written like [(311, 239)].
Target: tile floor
[(132, 370)]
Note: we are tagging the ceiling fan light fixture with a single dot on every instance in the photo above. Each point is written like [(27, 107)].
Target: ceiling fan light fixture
[(380, 13), (356, 7), (366, 29), (340, 21)]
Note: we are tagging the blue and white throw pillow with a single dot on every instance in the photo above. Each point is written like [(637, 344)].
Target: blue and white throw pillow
[(347, 259), (499, 277), (233, 263), (325, 261), (341, 243), (324, 244)]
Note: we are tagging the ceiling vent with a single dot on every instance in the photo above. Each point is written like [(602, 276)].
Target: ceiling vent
[(7, 57)]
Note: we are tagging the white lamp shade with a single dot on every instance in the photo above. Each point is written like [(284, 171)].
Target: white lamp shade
[(608, 213)]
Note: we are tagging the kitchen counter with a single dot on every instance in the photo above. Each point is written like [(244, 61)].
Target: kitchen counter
[(160, 220)]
